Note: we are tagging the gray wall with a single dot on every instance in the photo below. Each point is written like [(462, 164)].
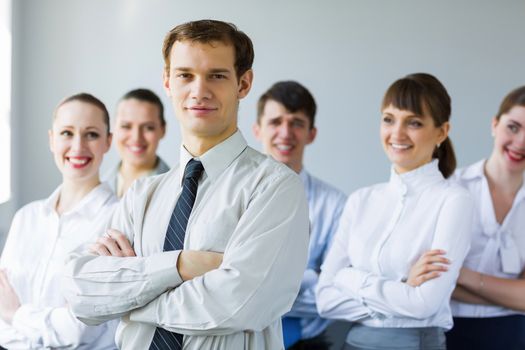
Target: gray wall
[(347, 52)]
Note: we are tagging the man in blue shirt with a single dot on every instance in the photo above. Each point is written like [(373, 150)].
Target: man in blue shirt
[(285, 125)]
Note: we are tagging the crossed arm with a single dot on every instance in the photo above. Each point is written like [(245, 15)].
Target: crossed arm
[(219, 301), (190, 263), (476, 288), (506, 292)]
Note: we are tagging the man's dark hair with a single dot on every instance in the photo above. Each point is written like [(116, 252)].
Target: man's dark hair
[(293, 96), (208, 31)]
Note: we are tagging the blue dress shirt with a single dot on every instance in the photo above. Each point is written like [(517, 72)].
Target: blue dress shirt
[(325, 204)]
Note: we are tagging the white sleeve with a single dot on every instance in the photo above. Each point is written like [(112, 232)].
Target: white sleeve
[(10, 338), (389, 297), (334, 302), (35, 326), (100, 288), (48, 327), (260, 275)]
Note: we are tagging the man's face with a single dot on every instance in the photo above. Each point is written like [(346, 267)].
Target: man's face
[(204, 90), (283, 134)]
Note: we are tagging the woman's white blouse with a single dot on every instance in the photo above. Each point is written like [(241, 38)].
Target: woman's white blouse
[(383, 231), (34, 255), (497, 250)]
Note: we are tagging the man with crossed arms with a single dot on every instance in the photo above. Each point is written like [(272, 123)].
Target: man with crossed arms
[(221, 240)]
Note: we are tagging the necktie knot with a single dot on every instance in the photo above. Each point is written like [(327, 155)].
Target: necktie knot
[(193, 170)]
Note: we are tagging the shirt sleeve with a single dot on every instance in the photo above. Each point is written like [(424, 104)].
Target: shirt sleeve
[(34, 326), (100, 288), (10, 338), (48, 327), (396, 298), (260, 275), (334, 302)]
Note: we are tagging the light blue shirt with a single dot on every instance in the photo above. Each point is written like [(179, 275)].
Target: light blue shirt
[(325, 204)]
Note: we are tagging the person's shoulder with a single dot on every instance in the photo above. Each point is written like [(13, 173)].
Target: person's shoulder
[(454, 189), (327, 189), (260, 172), (32, 207), (152, 182), (259, 163), (469, 173)]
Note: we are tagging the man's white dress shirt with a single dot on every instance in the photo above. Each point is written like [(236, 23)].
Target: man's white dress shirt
[(248, 206), (497, 250), (34, 256), (383, 231)]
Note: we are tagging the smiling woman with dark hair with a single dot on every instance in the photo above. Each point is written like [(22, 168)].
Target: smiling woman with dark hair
[(384, 229)]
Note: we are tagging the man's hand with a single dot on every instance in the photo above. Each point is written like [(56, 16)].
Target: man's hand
[(192, 263), (114, 244), (9, 301), (428, 267)]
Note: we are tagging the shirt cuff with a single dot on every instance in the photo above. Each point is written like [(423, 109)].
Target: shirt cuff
[(162, 267), (310, 278), (22, 319)]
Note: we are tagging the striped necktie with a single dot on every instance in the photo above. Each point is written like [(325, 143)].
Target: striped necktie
[(163, 339)]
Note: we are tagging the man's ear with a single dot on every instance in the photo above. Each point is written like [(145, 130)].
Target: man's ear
[(166, 81), (312, 135), (256, 129), (245, 84)]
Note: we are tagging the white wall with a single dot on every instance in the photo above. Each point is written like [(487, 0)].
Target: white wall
[(347, 52)]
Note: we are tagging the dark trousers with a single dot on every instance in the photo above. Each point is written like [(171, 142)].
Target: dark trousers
[(315, 343), (490, 333)]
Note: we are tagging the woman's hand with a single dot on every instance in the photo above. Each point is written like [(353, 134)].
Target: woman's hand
[(429, 266), (9, 301)]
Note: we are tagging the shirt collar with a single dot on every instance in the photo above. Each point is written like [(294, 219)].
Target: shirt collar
[(216, 159), (417, 179), (87, 206), (475, 171), (303, 174)]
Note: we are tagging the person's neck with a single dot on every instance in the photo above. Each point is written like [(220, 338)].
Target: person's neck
[(72, 192), (132, 172), (499, 177), (296, 167), (197, 145)]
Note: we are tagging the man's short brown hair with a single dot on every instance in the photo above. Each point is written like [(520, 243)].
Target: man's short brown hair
[(208, 31)]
